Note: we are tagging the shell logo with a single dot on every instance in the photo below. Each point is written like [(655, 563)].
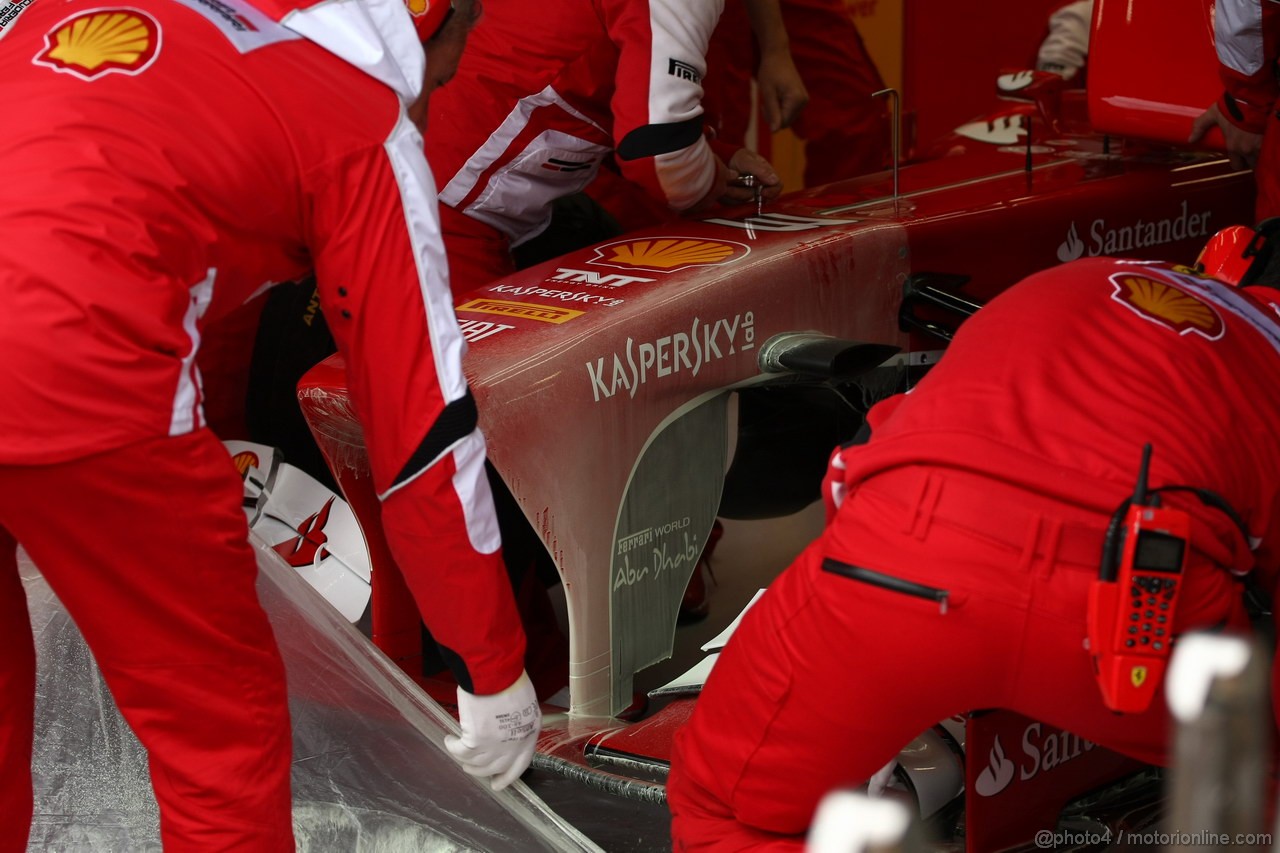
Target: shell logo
[(243, 461), (102, 41), (1166, 305), (668, 254)]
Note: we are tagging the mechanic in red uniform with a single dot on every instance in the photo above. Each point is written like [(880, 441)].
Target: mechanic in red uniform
[(1247, 39), (845, 129), (546, 93), (1065, 48), (751, 40), (955, 572), (165, 161)]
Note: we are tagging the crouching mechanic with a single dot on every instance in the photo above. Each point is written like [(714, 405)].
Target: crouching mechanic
[(955, 573), (547, 93), (169, 159)]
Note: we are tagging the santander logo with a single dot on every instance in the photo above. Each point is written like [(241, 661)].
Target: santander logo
[(1117, 240), (1043, 749), (1071, 248), (998, 773)]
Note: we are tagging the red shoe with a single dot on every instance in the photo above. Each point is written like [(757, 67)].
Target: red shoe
[(696, 603)]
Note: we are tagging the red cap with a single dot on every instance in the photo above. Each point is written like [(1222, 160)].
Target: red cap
[(1227, 256)]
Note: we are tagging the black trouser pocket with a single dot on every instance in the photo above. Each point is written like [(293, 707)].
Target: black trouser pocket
[(887, 582)]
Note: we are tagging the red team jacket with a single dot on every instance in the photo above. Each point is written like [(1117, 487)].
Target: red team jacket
[(1058, 402), (145, 231), (547, 90), (993, 479)]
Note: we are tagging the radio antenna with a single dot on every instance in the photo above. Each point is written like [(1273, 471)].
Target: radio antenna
[(1140, 491)]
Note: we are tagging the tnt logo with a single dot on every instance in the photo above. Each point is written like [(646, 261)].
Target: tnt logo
[(595, 279)]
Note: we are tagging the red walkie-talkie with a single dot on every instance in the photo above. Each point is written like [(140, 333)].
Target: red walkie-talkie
[(1133, 601)]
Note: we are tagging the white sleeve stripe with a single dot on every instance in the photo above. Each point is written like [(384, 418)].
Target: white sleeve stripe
[(188, 413), (471, 485), (376, 36), (418, 195), (682, 34), (686, 175), (1237, 29)]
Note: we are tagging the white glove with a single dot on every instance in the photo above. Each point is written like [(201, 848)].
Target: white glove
[(499, 732), (877, 783)]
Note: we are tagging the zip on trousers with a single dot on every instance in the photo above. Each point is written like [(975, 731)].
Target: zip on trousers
[(888, 582)]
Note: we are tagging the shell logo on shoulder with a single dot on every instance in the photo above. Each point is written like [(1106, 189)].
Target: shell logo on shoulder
[(668, 254), (102, 41), (1162, 303)]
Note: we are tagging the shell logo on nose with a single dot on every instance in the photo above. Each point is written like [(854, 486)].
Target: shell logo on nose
[(244, 461), (668, 254), (102, 41)]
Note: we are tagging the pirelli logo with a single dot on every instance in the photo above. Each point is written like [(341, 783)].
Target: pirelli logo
[(528, 310), (683, 70)]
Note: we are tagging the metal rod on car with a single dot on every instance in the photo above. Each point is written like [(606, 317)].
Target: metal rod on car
[(1218, 694), (895, 112)]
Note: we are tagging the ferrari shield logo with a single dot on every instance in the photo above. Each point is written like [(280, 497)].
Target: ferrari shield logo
[(1138, 675)]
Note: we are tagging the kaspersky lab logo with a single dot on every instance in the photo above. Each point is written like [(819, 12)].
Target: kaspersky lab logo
[(1119, 240)]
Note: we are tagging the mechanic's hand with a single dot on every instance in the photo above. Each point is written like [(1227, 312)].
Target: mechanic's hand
[(1242, 145), (781, 89), (499, 732), (747, 162), (833, 485)]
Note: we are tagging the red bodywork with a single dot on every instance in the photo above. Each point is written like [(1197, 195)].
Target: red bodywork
[(1151, 68)]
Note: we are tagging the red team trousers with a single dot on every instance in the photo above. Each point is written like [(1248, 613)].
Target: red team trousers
[(828, 677), (161, 585)]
